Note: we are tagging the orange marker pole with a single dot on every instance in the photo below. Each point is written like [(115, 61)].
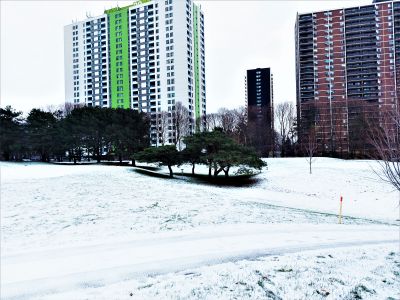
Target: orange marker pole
[(340, 210)]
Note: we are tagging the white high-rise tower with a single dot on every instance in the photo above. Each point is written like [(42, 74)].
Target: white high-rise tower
[(146, 56)]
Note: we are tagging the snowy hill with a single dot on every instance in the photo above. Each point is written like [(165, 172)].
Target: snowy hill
[(104, 232)]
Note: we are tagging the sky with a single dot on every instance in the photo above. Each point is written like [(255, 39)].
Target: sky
[(239, 35)]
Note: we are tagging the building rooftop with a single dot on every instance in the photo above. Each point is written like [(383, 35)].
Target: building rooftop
[(325, 10)]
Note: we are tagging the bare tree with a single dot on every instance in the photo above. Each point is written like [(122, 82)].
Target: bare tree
[(386, 141), (68, 107), (212, 121), (241, 131), (228, 120), (181, 123), (284, 113), (260, 130), (339, 129), (62, 110), (161, 127), (310, 146)]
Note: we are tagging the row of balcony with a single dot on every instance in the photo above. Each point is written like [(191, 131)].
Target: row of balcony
[(364, 59), (361, 66), (361, 22), (361, 42), (362, 72), (365, 49), (362, 29)]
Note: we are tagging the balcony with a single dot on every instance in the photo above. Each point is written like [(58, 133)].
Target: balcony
[(307, 83), (357, 39), (360, 23), (307, 77), (363, 29), (368, 81), (352, 51), (308, 48), (307, 72), (306, 40), (355, 59), (357, 35), (304, 53), (362, 72), (358, 66), (307, 33)]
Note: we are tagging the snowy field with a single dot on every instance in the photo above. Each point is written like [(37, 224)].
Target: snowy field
[(106, 232)]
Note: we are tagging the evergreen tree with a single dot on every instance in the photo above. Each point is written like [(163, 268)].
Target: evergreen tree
[(128, 132), (11, 134), (163, 156), (41, 129), (219, 152)]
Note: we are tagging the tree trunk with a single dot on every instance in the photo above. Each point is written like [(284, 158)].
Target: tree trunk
[(133, 162), (226, 172), (74, 160), (310, 166), (217, 171), (120, 159), (98, 155), (171, 174), (209, 170), (193, 165)]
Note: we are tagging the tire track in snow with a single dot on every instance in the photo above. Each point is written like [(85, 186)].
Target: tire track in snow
[(51, 271)]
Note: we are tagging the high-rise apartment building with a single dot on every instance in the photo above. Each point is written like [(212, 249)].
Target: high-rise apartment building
[(260, 108), (146, 56), (347, 71)]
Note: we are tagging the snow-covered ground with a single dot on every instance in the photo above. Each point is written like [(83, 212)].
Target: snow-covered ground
[(89, 232)]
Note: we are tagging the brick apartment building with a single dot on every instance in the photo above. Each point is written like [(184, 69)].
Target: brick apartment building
[(348, 73)]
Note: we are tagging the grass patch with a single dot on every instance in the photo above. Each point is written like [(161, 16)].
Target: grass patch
[(234, 180), (359, 290), (151, 173), (78, 163), (150, 168), (285, 270), (115, 163)]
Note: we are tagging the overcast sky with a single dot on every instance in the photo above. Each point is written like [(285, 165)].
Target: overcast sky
[(239, 35)]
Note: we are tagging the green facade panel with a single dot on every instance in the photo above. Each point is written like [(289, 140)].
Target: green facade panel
[(119, 57), (118, 19)]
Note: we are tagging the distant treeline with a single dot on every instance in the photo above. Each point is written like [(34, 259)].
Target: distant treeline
[(86, 132)]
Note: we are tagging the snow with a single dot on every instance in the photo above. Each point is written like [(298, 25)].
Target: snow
[(287, 182), (367, 272), (78, 232)]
